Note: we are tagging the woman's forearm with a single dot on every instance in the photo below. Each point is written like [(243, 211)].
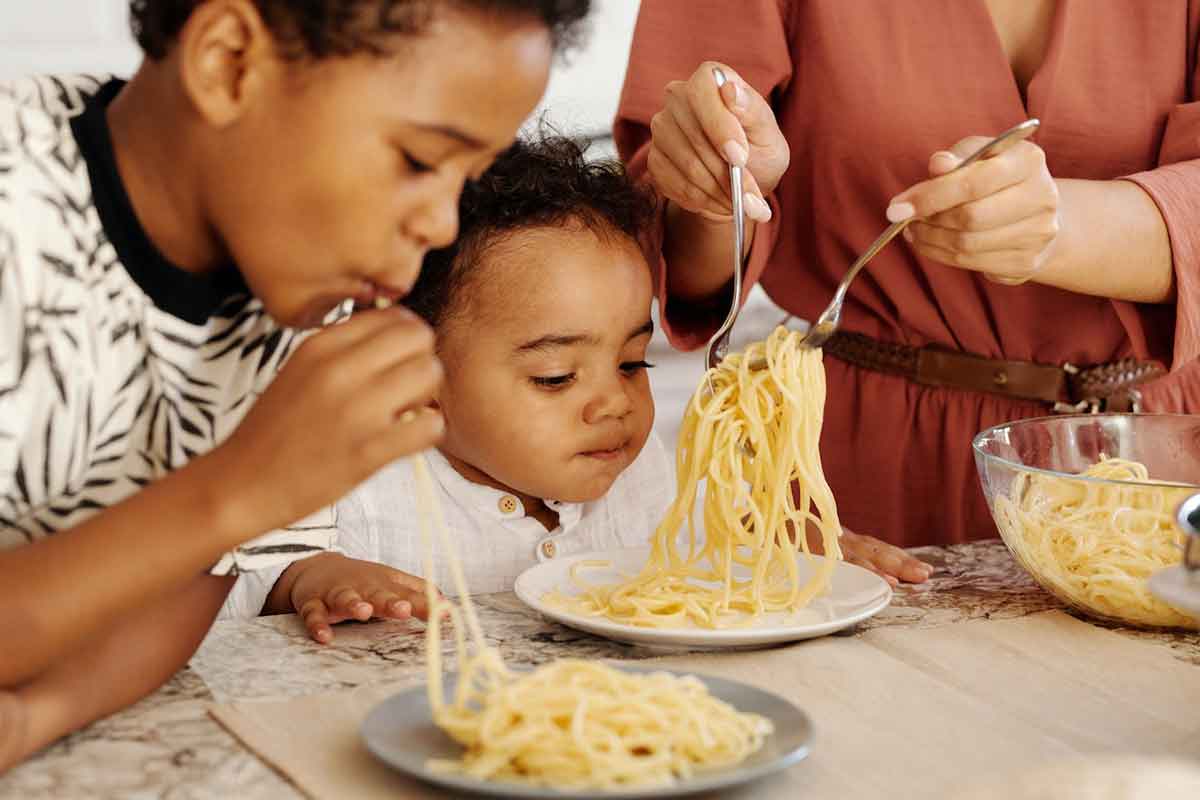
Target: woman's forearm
[(697, 253), (69, 587), (138, 655), (1112, 242)]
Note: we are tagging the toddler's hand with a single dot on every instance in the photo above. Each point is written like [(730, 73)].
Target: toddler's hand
[(889, 562), (331, 588), (892, 563)]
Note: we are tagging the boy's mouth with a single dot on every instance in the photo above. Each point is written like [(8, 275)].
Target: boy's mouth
[(375, 295)]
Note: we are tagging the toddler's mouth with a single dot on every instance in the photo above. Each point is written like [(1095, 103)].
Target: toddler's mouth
[(607, 453)]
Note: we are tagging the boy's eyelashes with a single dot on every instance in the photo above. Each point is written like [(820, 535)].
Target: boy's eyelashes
[(415, 166), (628, 368)]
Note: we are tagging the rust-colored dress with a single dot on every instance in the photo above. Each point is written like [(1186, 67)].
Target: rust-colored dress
[(865, 91)]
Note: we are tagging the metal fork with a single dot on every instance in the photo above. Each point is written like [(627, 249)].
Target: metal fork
[(831, 317), (718, 345)]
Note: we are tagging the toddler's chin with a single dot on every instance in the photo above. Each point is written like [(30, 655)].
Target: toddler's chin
[(582, 494)]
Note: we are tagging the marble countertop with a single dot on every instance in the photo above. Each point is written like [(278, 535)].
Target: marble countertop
[(168, 747)]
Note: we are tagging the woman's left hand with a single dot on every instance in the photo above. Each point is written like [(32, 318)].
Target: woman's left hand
[(999, 216)]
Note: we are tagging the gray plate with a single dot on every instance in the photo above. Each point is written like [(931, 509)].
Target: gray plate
[(400, 732)]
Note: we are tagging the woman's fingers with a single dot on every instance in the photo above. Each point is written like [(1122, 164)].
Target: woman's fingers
[(1031, 234), (981, 179)]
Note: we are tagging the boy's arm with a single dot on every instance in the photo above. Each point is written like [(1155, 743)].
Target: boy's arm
[(327, 422), (138, 655)]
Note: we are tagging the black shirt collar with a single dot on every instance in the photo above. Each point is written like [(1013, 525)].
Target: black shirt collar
[(192, 297)]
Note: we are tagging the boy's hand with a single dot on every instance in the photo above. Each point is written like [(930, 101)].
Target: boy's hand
[(333, 416), (14, 723), (330, 588)]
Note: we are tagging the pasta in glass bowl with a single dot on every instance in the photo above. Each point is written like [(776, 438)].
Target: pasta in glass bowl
[(1086, 504)]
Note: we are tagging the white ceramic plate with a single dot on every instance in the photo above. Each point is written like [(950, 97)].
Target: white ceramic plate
[(1177, 587), (855, 594), (400, 732)]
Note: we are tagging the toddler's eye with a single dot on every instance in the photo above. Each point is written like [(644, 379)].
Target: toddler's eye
[(634, 367), (553, 381)]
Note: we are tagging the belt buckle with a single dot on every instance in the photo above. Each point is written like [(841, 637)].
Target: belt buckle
[(1095, 405)]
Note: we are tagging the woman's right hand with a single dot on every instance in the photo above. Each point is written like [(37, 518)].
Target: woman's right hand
[(701, 131), (333, 416)]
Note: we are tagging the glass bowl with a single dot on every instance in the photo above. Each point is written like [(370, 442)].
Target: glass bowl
[(1093, 542)]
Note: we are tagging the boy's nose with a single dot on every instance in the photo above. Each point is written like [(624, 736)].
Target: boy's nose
[(437, 223)]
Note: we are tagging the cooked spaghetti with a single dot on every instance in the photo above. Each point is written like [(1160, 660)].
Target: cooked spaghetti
[(571, 723), (753, 441), (1094, 544)]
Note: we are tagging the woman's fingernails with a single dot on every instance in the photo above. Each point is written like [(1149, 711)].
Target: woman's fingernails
[(898, 212), (735, 154), (907, 234), (949, 159), (756, 208), (739, 97), (324, 635)]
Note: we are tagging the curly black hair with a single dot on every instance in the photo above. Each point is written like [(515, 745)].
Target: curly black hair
[(535, 183), (323, 28)]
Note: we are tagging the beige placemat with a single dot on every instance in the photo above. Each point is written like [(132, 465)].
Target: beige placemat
[(902, 713)]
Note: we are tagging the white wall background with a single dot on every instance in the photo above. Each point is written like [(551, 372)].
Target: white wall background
[(93, 36)]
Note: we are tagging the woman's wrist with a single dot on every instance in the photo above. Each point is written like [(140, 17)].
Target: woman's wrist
[(1112, 242)]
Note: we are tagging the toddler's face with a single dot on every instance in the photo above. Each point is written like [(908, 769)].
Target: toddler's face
[(546, 389)]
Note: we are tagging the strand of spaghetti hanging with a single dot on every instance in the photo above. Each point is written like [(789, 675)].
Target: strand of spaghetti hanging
[(569, 724)]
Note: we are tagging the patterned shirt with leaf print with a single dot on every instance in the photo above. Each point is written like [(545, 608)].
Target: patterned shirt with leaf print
[(115, 366)]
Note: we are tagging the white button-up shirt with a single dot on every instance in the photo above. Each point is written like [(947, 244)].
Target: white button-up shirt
[(497, 541)]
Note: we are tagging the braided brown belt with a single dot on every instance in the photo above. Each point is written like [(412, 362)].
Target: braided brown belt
[(1066, 388)]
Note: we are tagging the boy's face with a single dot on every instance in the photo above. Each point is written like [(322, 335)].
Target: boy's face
[(546, 392), (343, 173)]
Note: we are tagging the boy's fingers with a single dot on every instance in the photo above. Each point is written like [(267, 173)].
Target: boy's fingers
[(405, 436), (335, 341), (315, 616), (347, 602)]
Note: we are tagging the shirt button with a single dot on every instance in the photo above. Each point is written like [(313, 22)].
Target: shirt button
[(508, 504), (549, 549)]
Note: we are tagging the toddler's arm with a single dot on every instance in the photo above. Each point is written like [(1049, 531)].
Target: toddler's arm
[(330, 588)]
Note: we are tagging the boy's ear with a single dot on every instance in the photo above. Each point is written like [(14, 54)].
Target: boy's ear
[(226, 54)]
